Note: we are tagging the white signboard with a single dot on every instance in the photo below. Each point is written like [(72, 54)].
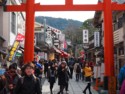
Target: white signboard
[(49, 37), (48, 33), (62, 37), (96, 39), (85, 36), (49, 41)]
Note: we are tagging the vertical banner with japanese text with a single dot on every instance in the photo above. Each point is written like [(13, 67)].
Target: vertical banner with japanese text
[(15, 47), (85, 36), (96, 39)]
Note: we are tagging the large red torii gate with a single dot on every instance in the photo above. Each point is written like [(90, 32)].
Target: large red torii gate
[(107, 6)]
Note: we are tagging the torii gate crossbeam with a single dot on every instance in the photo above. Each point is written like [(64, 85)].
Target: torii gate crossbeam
[(88, 7), (107, 7)]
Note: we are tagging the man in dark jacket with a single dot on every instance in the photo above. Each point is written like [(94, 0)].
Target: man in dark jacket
[(51, 77), (71, 66), (45, 68), (11, 77), (29, 84), (62, 77)]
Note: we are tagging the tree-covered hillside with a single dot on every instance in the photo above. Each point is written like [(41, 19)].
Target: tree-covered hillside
[(58, 23)]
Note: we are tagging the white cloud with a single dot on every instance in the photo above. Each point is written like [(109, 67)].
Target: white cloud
[(76, 15), (51, 1)]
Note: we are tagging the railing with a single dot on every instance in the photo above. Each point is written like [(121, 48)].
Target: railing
[(118, 36)]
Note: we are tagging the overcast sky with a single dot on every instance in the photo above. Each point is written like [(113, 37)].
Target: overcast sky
[(80, 16)]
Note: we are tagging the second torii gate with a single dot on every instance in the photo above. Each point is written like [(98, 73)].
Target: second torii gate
[(107, 6)]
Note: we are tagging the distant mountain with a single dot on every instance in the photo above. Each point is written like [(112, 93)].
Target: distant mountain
[(58, 23)]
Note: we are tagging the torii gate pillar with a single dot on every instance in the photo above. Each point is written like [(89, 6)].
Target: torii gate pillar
[(29, 35), (108, 39)]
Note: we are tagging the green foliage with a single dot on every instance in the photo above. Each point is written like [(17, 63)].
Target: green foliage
[(73, 33), (58, 23), (88, 24)]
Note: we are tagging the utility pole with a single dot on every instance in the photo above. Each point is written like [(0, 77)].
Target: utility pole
[(44, 34)]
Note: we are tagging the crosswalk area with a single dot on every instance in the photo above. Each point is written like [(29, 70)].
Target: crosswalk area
[(74, 87)]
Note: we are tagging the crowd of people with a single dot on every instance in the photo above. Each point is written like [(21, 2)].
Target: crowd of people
[(27, 78)]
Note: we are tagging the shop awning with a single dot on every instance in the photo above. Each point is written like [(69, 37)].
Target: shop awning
[(57, 50), (37, 49), (1, 38), (64, 54), (18, 54)]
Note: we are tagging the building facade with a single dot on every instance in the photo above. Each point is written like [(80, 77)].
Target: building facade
[(118, 33), (12, 23), (48, 39)]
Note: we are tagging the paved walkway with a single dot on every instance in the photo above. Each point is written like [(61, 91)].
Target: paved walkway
[(74, 87)]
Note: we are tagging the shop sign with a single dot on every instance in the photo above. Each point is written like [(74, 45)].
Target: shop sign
[(85, 36), (96, 39), (18, 54), (61, 38), (20, 37), (13, 51)]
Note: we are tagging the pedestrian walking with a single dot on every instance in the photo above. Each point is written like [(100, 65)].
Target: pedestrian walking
[(62, 77), (68, 75), (77, 70), (56, 69), (11, 78), (29, 83), (51, 77), (71, 66), (88, 74), (45, 68)]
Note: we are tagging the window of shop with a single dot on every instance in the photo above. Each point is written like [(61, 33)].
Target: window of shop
[(120, 20), (118, 24), (1, 43), (121, 51)]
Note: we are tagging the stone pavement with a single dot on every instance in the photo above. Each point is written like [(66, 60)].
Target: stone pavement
[(74, 87)]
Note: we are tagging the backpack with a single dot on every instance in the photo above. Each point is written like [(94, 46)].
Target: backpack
[(78, 69), (71, 63), (22, 79)]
